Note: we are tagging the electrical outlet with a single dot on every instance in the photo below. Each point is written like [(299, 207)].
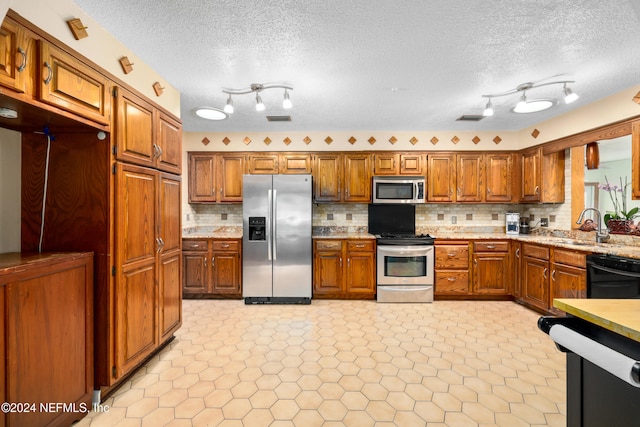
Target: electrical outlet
[(544, 222), (454, 219)]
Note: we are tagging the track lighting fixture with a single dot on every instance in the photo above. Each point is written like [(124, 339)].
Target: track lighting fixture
[(525, 105), (257, 88)]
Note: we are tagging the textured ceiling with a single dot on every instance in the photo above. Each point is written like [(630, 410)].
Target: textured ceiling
[(378, 64)]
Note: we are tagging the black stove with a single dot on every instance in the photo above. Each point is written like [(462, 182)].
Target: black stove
[(404, 239)]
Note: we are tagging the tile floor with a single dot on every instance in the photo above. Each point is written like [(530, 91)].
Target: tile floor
[(347, 363)]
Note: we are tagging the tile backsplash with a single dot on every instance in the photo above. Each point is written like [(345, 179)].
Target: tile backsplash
[(354, 216)]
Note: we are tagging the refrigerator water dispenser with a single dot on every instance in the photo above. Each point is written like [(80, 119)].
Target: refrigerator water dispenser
[(257, 228)]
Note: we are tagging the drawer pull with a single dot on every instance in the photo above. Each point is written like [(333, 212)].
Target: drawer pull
[(225, 245), (491, 246), (359, 246), (451, 254), (451, 279)]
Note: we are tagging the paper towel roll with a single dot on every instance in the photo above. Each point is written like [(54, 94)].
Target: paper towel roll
[(610, 360)]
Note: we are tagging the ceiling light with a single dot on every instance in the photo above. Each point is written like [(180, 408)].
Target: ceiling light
[(488, 110), (257, 88), (228, 108), (210, 113), (525, 106), (569, 95), (286, 103), (259, 104)]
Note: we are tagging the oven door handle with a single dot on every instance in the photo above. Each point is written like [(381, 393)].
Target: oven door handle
[(614, 271), (405, 249)]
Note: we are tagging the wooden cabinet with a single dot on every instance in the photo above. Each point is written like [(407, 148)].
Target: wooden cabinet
[(491, 268), (71, 85), (499, 177), (535, 275), (541, 176), (344, 268), (470, 169), (148, 257), (17, 57), (215, 177), (441, 181), (279, 163), (516, 256), (392, 163), (568, 276), (452, 268), (146, 136), (212, 268), (46, 322), (342, 177)]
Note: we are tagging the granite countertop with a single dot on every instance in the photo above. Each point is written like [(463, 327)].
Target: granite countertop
[(212, 232), (621, 316)]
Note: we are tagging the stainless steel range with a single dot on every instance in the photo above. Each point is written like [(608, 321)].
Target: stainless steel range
[(404, 260)]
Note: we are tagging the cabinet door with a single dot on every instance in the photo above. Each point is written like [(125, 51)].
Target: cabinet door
[(442, 178), (516, 250), (17, 50), (412, 164), (385, 164), (226, 273), (567, 282), (266, 163), (169, 274), (499, 173), (295, 163), (535, 282), (73, 86), (169, 144), (327, 179), (327, 273), (357, 178), (136, 297), (195, 276), (361, 273), (531, 165), (134, 130), (202, 176), (491, 273), (231, 168), (470, 178)]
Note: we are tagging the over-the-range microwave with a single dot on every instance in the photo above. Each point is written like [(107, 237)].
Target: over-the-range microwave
[(398, 189)]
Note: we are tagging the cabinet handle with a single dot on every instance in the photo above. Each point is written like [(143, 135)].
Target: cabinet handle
[(359, 246), (491, 246), (50, 73), (553, 275), (488, 191), (475, 261), (544, 273), (205, 262), (213, 260), (518, 253), (348, 262), (23, 65), (537, 190), (451, 279), (340, 261), (451, 254), (459, 191), (157, 245), (225, 245)]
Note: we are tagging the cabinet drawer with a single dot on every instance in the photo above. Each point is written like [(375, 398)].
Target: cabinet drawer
[(328, 245), (360, 246), (575, 259), (226, 245), (452, 256), (491, 246), (194, 245), (535, 251), (452, 282)]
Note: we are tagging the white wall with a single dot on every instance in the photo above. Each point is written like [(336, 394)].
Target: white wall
[(10, 161)]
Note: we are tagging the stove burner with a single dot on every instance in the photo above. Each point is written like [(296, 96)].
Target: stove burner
[(404, 239)]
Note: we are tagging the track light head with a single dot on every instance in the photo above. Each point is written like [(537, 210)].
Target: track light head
[(259, 104), (286, 103), (228, 108), (488, 110), (569, 95), (534, 105)]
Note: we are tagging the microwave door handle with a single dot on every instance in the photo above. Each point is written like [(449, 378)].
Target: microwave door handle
[(416, 190), (613, 271)]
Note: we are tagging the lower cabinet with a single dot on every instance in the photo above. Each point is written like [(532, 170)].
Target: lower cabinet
[(452, 268), (491, 268), (535, 275), (46, 321), (212, 268), (568, 276), (344, 268)]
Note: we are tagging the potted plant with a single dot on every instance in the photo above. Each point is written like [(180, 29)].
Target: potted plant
[(620, 220)]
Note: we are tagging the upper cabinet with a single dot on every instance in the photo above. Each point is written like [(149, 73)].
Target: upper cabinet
[(542, 176), (215, 178), (500, 177), (17, 57), (70, 84), (385, 163), (441, 181), (279, 163), (342, 177), (470, 177), (146, 136)]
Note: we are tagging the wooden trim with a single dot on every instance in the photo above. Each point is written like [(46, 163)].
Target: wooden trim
[(610, 131), (577, 184)]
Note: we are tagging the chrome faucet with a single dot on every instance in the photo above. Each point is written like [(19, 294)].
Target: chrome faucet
[(601, 236)]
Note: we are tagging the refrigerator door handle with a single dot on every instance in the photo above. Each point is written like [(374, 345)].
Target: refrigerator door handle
[(269, 224), (274, 212)]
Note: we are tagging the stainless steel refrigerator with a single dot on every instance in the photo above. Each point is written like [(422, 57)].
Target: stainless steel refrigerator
[(276, 239)]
